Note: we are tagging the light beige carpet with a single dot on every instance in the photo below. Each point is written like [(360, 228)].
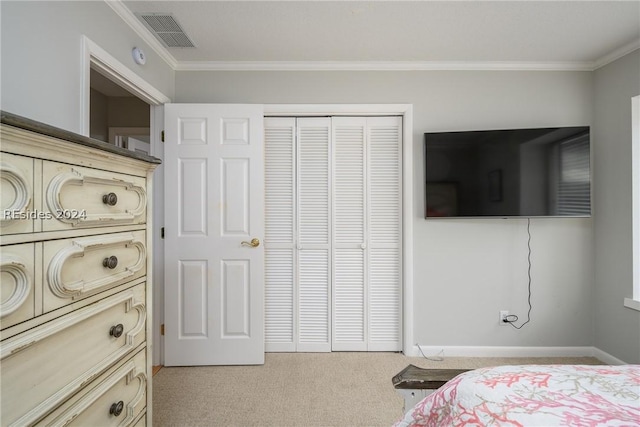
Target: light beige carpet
[(299, 389)]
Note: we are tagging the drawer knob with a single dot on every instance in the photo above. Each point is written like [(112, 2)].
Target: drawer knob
[(110, 199), (116, 408), (117, 330), (110, 262)]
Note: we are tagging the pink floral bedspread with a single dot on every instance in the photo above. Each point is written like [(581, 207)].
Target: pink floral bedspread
[(534, 395)]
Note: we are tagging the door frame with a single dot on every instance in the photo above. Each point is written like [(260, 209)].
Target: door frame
[(95, 57), (406, 111)]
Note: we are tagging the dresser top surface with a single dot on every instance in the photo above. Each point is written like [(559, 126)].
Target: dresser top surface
[(14, 120)]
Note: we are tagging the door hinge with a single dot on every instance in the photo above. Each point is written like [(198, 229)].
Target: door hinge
[(162, 329), (162, 136), (162, 233)]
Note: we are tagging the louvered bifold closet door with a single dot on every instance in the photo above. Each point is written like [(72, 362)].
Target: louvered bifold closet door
[(349, 235), (384, 144), (280, 257), (314, 231), (333, 234)]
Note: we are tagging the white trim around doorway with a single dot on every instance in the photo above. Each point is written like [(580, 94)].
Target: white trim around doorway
[(95, 57)]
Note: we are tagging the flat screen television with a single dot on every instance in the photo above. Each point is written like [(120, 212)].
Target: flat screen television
[(508, 173)]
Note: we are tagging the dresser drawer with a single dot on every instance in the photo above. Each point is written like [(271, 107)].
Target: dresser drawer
[(46, 365), (115, 400), (79, 267), (142, 421), (16, 194), (17, 291), (76, 196)]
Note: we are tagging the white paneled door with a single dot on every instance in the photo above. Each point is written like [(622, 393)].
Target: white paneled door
[(214, 227)]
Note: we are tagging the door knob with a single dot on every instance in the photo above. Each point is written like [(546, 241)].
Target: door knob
[(254, 243)]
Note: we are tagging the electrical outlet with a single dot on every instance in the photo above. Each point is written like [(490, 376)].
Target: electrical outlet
[(503, 317)]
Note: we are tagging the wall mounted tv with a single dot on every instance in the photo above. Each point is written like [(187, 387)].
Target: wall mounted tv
[(508, 173)]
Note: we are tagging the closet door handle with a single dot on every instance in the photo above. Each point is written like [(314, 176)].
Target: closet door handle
[(363, 246)]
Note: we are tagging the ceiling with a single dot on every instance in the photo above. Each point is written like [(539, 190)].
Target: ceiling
[(427, 34)]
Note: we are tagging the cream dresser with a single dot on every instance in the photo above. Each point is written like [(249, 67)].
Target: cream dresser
[(75, 279)]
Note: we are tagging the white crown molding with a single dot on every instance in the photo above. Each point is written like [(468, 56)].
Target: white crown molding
[(616, 54), (380, 66), (130, 19)]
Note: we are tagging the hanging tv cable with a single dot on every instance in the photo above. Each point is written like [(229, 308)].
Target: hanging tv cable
[(512, 318)]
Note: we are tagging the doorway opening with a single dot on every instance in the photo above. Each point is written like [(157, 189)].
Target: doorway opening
[(104, 75), (117, 116)]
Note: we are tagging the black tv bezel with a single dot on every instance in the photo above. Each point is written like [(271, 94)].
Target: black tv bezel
[(474, 217)]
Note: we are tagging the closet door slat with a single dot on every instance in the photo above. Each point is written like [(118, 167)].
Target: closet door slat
[(349, 181), (279, 180), (349, 234), (349, 302), (280, 304), (384, 300), (313, 181), (385, 233), (279, 300), (313, 314), (314, 232)]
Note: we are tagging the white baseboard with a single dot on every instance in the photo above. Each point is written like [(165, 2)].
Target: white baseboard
[(513, 351), (606, 357)]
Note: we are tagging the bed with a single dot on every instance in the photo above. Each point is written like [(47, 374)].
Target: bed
[(534, 395)]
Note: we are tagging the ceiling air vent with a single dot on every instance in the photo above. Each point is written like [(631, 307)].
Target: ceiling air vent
[(166, 28)]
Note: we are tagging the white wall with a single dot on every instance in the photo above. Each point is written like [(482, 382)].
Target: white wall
[(617, 328), (42, 57), (42, 65), (465, 270)]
